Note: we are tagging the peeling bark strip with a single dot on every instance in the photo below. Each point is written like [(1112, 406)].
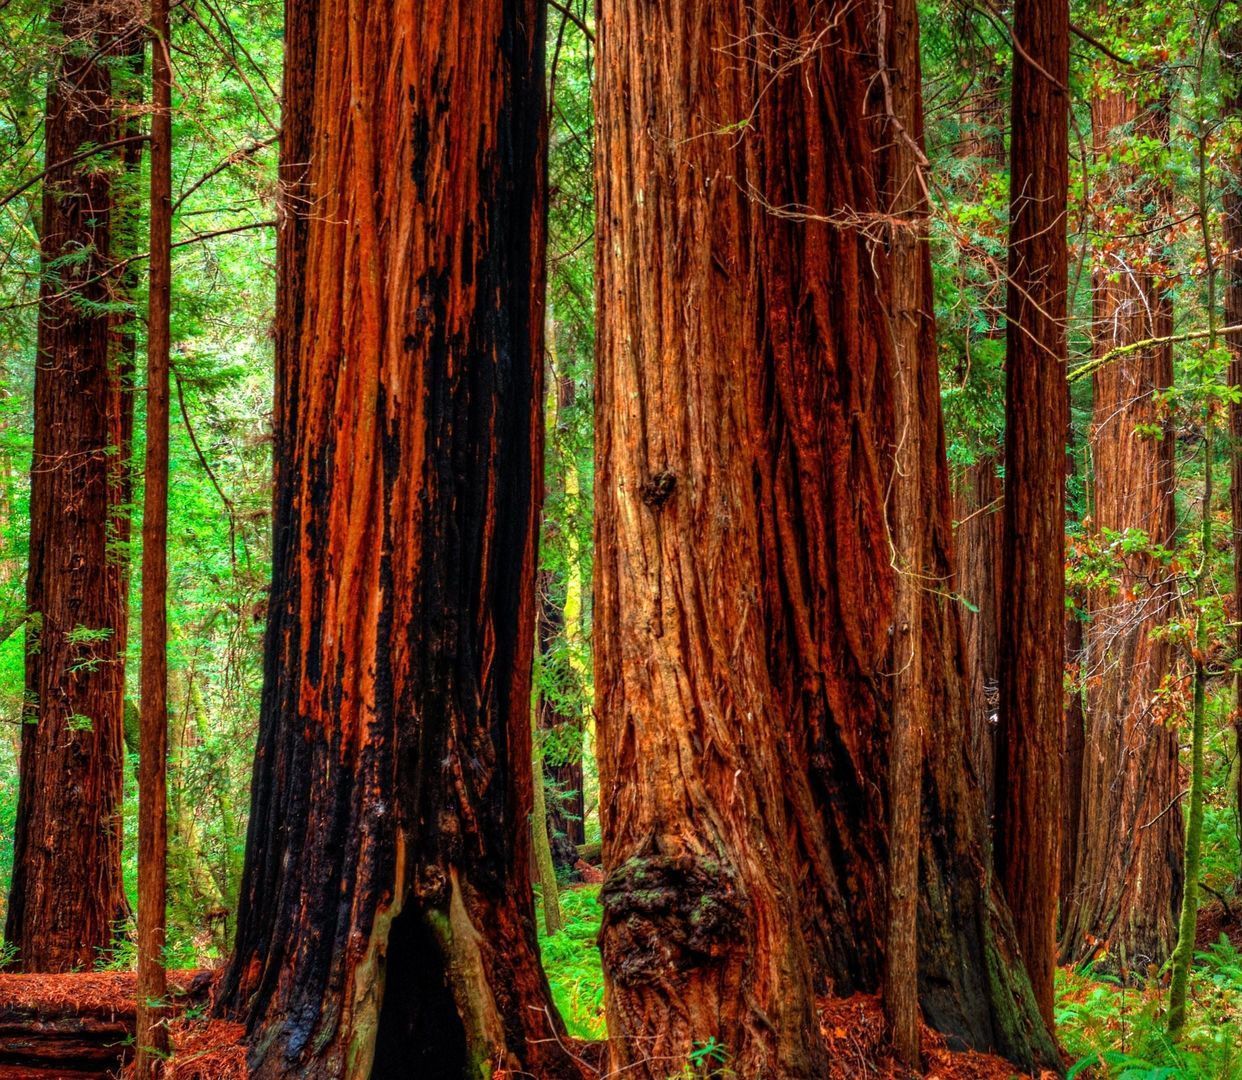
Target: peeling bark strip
[(1032, 603), (744, 624), (72, 745), (386, 923), (1126, 892)]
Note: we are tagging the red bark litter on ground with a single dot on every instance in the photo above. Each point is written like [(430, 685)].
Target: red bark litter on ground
[(856, 1033), (204, 1050), (1215, 919), (68, 1026)]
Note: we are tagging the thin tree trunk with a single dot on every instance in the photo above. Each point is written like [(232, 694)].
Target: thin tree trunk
[(1032, 608), (1127, 879), (1231, 57), (977, 491), (978, 507), (152, 1036), (1072, 761), (386, 923), (744, 584), (72, 742), (565, 817), (543, 851), (1188, 920)]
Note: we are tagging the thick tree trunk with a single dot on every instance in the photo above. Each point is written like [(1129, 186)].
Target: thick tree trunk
[(1127, 885), (745, 583), (386, 924), (66, 891), (1032, 608)]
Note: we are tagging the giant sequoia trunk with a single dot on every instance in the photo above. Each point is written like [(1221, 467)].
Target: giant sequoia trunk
[(1032, 608), (66, 891), (386, 925), (745, 581), (1127, 880)]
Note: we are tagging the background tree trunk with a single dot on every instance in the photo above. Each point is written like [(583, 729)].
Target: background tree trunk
[(978, 509), (565, 814), (1231, 62), (387, 921), (1032, 608), (1127, 887), (745, 584), (66, 892), (151, 1037), (977, 490)]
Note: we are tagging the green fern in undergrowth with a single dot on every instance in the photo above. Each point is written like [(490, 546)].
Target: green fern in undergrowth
[(1115, 1032), (572, 962)]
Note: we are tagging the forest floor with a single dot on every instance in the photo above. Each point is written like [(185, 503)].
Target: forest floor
[(80, 1025), (1108, 1029)]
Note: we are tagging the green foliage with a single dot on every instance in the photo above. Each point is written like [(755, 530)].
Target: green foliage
[(1118, 1032), (572, 962)]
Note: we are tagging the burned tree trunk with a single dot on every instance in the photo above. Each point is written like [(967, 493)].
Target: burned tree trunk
[(745, 583), (1032, 608), (1127, 879), (386, 923), (72, 753)]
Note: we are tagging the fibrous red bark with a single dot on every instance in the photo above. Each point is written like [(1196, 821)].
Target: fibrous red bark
[(386, 924), (745, 581), (1032, 607), (66, 893)]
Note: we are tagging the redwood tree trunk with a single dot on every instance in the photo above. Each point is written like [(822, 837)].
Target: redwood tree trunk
[(1127, 880), (151, 1035), (1032, 608), (386, 925), (977, 491), (977, 507), (745, 582), (66, 891)]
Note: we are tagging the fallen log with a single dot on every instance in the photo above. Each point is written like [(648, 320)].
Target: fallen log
[(79, 1024)]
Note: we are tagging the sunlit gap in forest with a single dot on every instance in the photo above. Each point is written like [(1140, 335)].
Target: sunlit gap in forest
[(855, 693)]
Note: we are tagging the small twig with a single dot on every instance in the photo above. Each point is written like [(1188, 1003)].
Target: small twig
[(564, 10)]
